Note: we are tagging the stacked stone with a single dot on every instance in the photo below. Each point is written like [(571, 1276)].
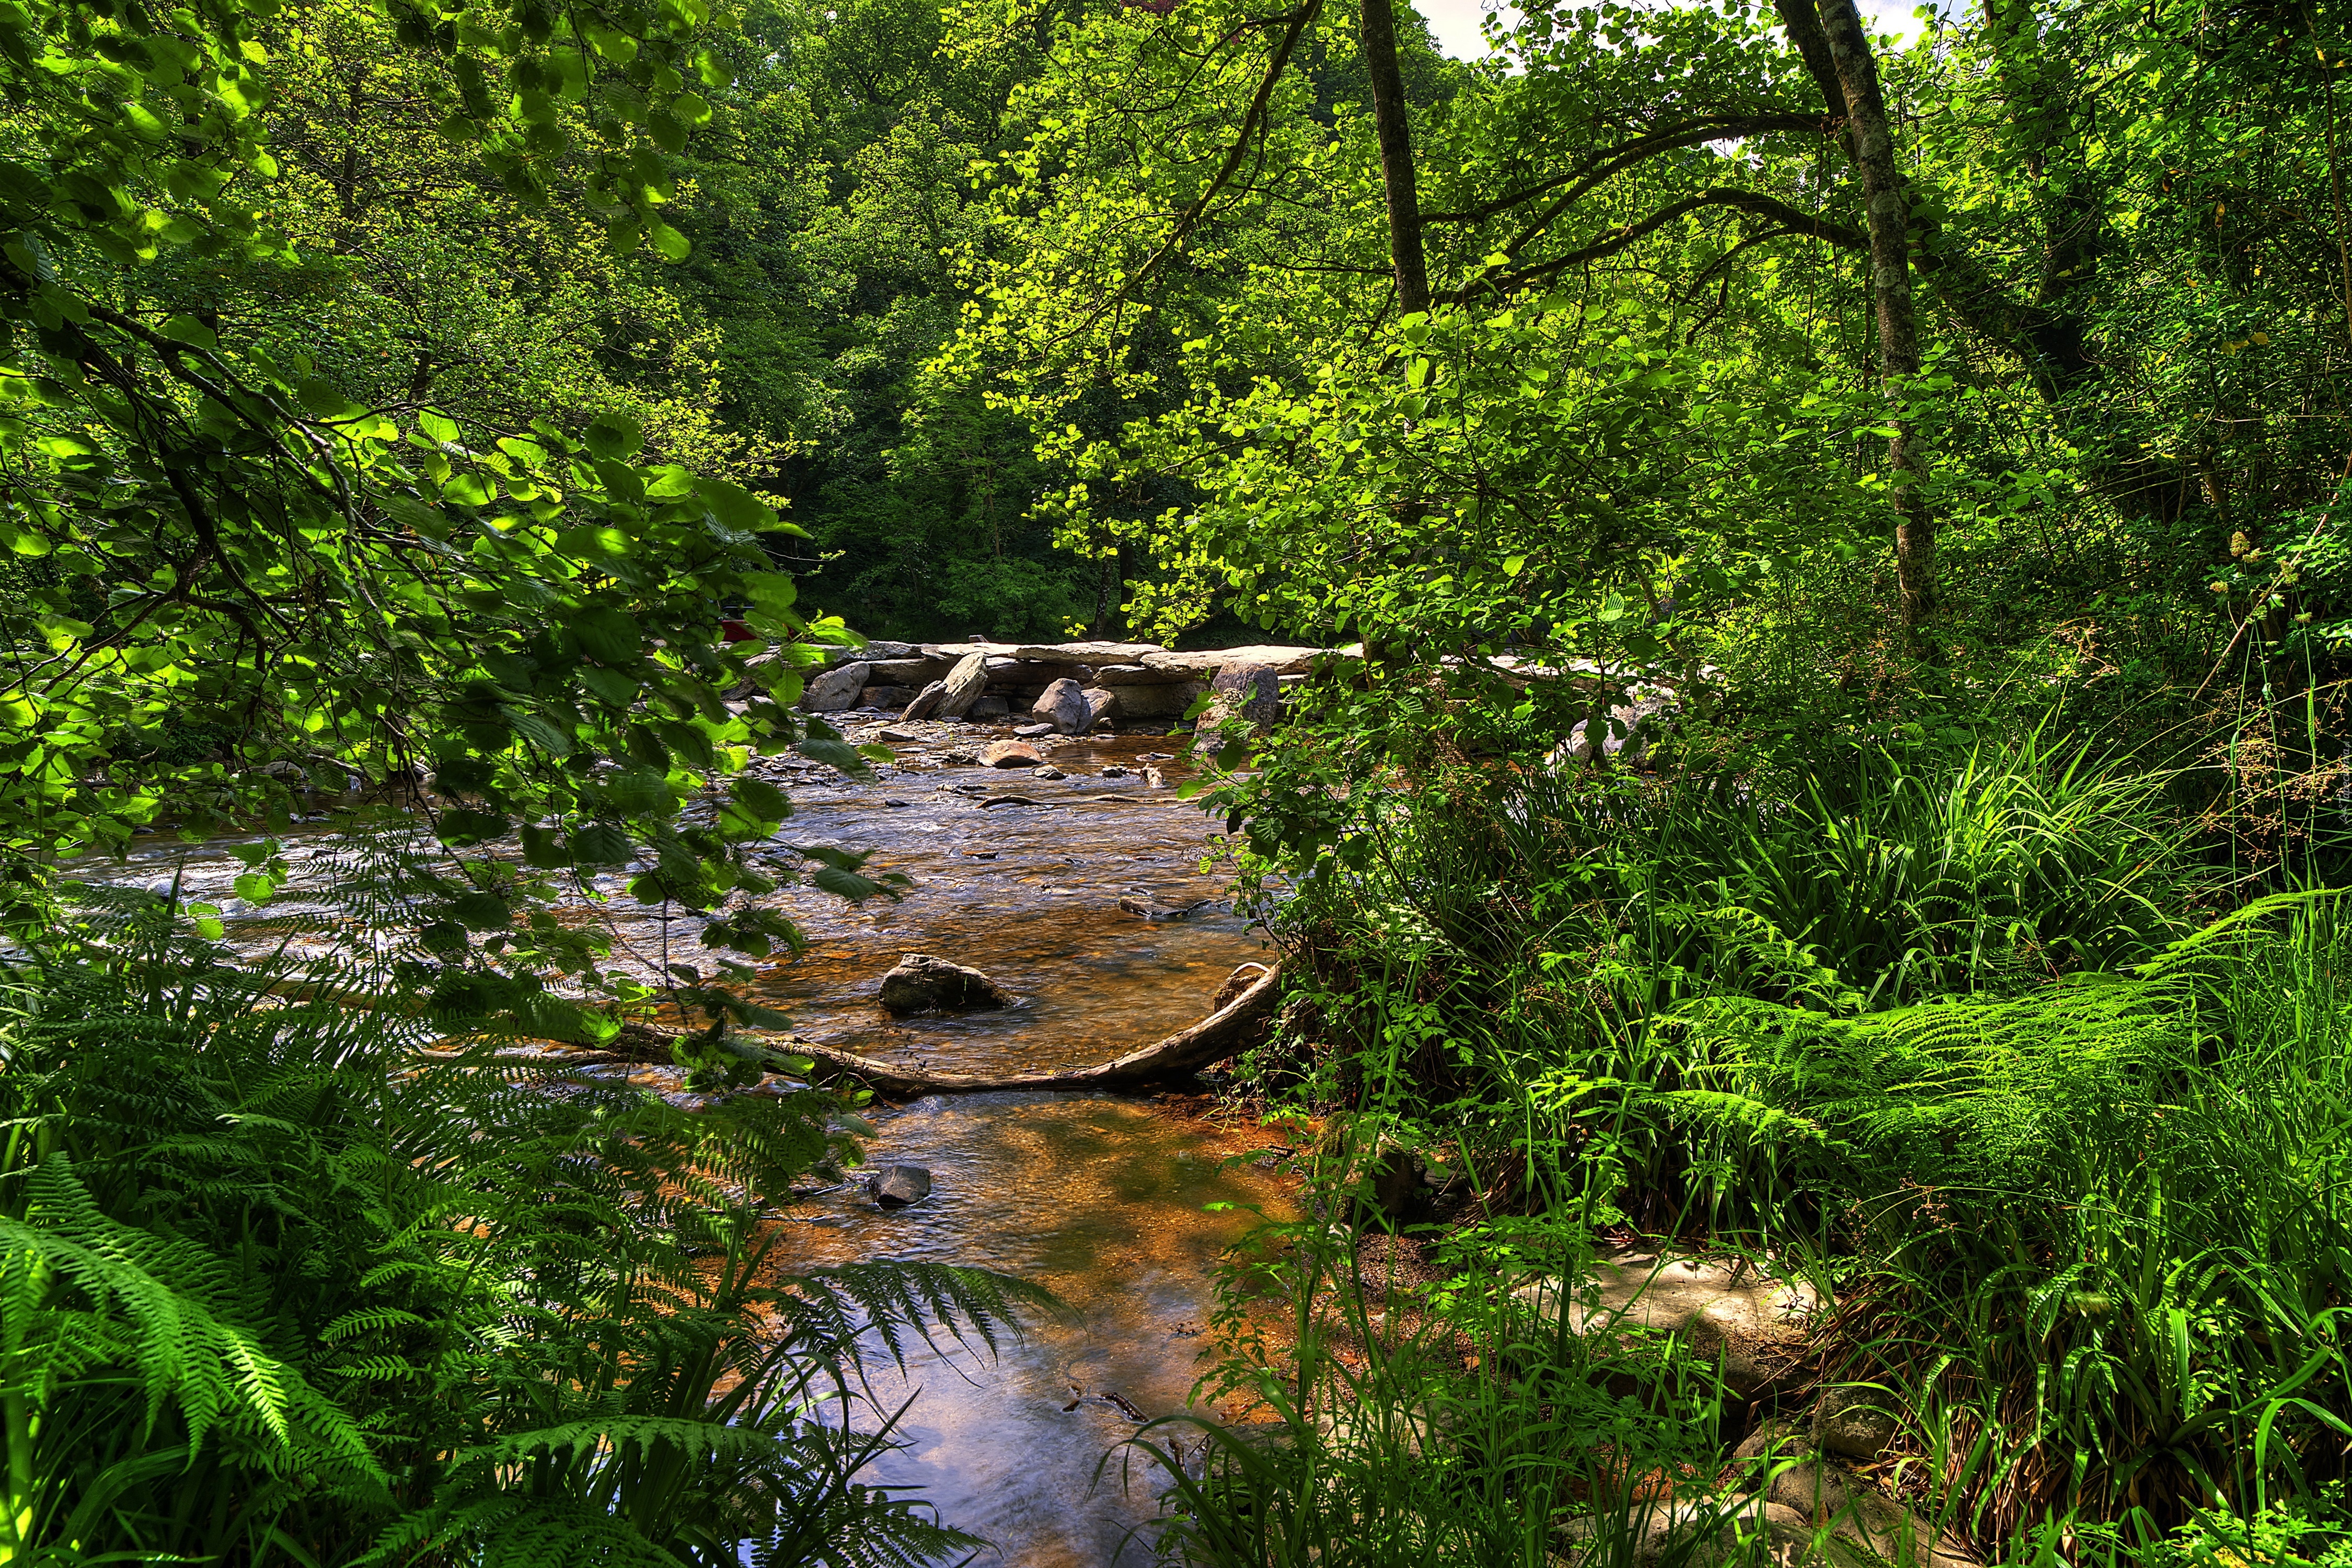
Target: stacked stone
[(1073, 686)]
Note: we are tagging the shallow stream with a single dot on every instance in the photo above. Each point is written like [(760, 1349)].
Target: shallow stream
[(1103, 1200)]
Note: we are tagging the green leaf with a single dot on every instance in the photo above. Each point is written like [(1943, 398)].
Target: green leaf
[(760, 797), (736, 507), (837, 753), (463, 826), (614, 436), (319, 397), (600, 844), (606, 634), (543, 848), (255, 887), (482, 911), (188, 329)]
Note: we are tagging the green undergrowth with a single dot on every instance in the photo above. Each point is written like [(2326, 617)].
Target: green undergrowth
[(1971, 1037), (274, 1289)]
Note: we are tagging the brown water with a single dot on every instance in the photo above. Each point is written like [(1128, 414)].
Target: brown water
[(1104, 1201)]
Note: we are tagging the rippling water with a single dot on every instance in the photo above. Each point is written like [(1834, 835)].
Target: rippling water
[(1104, 1201)]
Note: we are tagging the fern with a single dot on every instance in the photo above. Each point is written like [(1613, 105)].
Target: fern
[(273, 1283)]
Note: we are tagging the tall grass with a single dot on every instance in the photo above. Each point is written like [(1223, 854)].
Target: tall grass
[(1952, 1032)]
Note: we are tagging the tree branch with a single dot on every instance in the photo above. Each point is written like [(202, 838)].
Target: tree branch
[(1592, 171), (1754, 202)]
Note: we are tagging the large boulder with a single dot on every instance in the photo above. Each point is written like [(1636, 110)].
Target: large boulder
[(1101, 705), (1854, 1423), (1249, 692), (963, 687), (1753, 1322), (1854, 1514), (922, 984), (835, 691), (1064, 705)]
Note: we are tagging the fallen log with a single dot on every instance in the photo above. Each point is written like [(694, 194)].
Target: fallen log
[(1220, 1034)]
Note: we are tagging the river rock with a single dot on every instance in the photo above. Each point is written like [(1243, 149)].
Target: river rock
[(1031, 732), (895, 1186), (925, 702), (1101, 705), (1010, 755), (899, 737), (869, 652), (835, 691), (963, 687), (922, 982), (989, 705), (886, 696), (1251, 693), (1064, 705), (1151, 906), (1753, 1322), (1154, 779), (1854, 1423), (914, 672), (1166, 700), (1775, 1438), (1698, 1532), (1852, 1511)]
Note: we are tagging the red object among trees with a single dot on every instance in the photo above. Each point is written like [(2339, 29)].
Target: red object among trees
[(736, 631)]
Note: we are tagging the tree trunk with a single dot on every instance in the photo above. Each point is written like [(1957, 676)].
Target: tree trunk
[(1405, 253), (1872, 142)]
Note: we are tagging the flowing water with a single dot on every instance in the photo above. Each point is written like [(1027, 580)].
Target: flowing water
[(1106, 1201)]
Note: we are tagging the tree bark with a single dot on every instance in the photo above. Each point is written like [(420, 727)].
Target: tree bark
[(1873, 143), (1406, 254)]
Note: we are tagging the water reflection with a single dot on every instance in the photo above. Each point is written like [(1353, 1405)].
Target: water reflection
[(1101, 1201)]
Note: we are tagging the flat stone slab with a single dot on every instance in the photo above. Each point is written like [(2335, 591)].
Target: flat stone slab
[(1051, 653), (1755, 1322), (1281, 659)]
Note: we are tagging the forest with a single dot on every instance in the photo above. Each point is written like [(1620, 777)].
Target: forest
[(1799, 847)]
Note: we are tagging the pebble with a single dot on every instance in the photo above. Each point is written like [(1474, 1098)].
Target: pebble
[(1049, 771)]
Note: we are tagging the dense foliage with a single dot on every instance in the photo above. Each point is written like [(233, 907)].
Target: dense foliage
[(1926, 456)]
